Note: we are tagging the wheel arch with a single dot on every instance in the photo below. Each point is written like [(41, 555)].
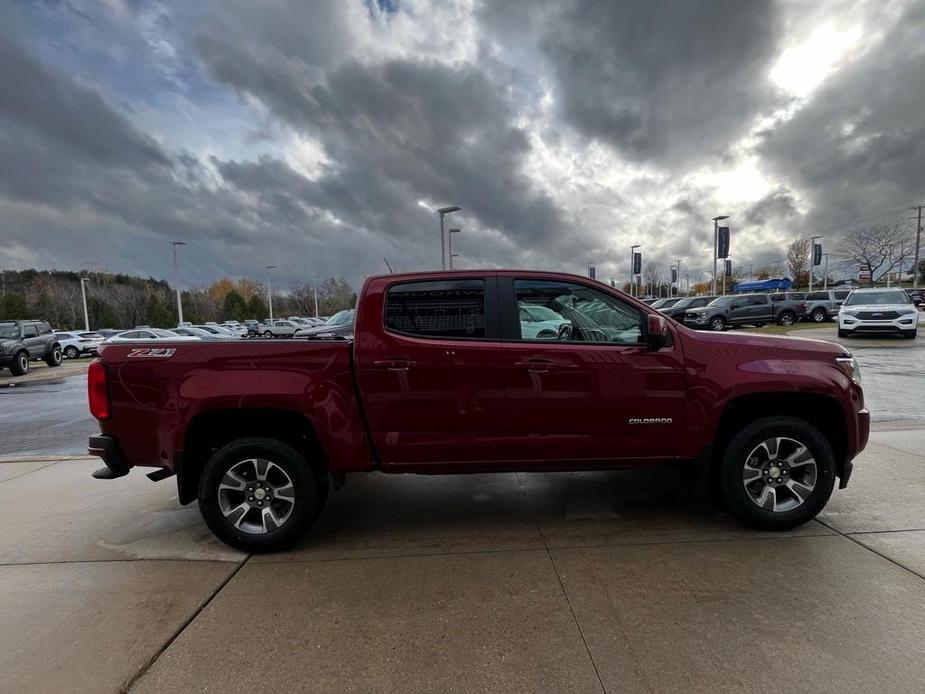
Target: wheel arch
[(823, 412), (210, 430)]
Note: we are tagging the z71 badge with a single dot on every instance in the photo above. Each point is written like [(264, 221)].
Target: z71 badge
[(160, 352)]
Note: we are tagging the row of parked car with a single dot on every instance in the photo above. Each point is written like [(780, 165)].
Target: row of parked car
[(858, 310), (25, 341)]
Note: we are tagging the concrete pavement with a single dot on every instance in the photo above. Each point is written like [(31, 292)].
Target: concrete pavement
[(584, 582)]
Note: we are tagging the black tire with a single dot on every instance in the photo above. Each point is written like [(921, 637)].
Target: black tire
[(818, 315), (718, 324), (309, 486), (732, 489), (844, 333), (787, 318), (911, 336), (71, 352), (759, 325), (20, 364), (54, 357), (267, 333)]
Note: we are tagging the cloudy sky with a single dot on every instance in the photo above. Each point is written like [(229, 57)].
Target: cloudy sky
[(318, 136)]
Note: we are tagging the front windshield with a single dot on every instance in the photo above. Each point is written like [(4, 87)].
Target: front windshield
[(8, 332), (719, 301), (664, 303), (890, 296), (164, 333)]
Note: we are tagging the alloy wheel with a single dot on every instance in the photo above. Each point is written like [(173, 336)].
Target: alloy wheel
[(779, 474), (256, 496)]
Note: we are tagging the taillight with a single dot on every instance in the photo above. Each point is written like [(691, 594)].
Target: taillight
[(98, 390)]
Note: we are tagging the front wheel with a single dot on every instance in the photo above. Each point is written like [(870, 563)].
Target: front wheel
[(53, 358), (777, 473), (20, 364), (71, 352), (786, 318), (267, 333), (844, 333), (910, 335), (718, 324), (260, 495)]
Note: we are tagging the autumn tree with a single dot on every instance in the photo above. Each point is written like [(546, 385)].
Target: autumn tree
[(798, 262)]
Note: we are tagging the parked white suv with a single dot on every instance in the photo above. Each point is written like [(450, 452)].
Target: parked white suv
[(881, 310), (76, 344)]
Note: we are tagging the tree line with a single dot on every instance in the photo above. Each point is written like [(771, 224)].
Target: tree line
[(122, 301)]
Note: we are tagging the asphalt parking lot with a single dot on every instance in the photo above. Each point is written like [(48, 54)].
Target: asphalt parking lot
[(584, 582)]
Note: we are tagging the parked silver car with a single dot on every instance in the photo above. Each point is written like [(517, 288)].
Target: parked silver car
[(824, 305)]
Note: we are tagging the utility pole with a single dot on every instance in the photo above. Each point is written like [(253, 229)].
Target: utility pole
[(918, 238), (83, 295), (678, 281), (443, 212), (450, 242)]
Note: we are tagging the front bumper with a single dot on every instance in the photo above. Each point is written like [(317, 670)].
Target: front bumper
[(107, 448), (904, 323)]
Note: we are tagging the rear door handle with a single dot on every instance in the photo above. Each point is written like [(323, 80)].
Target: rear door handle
[(393, 364)]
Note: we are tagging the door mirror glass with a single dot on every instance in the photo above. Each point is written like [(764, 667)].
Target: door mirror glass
[(656, 332)]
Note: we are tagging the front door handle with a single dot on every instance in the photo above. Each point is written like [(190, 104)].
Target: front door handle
[(393, 364), (542, 365)]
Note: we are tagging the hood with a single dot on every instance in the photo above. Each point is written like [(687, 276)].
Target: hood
[(878, 307), (776, 345)]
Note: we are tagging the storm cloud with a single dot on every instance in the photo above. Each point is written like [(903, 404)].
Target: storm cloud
[(319, 137)]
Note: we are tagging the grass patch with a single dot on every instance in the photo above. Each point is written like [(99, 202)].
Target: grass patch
[(774, 329)]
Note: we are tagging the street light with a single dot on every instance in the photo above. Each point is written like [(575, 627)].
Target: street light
[(450, 241), (443, 212), (176, 276), (633, 267), (716, 221), (270, 292), (825, 272), (83, 295)]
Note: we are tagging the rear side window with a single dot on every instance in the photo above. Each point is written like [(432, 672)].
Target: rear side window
[(817, 296), (441, 309), (777, 298), (841, 296), (757, 300)]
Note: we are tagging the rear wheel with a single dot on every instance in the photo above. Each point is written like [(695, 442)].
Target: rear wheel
[(20, 364), (777, 473), (786, 318), (267, 333), (718, 324), (260, 495), (71, 352), (53, 358), (818, 315)]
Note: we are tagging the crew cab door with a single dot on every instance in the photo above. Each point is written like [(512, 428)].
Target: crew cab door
[(594, 392), (429, 366)]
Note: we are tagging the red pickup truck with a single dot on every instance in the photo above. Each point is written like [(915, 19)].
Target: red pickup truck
[(479, 371)]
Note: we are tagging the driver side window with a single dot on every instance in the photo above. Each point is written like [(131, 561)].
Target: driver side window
[(567, 312)]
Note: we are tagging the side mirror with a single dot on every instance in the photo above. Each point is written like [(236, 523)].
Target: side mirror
[(656, 332)]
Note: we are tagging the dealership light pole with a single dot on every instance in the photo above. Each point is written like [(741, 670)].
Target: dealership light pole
[(443, 212), (918, 239), (270, 292), (825, 272), (812, 258), (450, 242), (633, 268), (83, 295), (176, 276), (716, 221), (315, 279)]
